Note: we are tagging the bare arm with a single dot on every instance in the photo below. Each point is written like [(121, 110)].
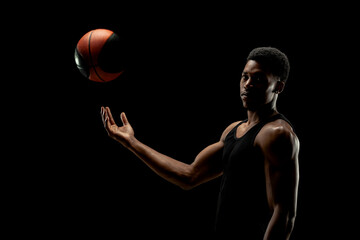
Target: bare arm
[(205, 167), (280, 147)]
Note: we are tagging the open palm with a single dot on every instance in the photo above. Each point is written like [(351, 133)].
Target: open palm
[(122, 134)]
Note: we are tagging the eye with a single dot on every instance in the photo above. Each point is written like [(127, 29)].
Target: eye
[(259, 78), (244, 77)]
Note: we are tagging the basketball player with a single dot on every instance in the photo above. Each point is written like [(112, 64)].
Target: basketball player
[(257, 158)]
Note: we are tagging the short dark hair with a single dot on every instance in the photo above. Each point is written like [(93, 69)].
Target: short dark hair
[(272, 59)]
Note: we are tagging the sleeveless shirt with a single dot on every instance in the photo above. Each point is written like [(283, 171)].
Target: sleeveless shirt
[(242, 208)]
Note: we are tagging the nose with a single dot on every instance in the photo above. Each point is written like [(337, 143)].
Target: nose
[(248, 83)]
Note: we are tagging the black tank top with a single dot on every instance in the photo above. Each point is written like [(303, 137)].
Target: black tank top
[(242, 204)]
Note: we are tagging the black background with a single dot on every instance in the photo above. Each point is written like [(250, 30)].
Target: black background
[(180, 90)]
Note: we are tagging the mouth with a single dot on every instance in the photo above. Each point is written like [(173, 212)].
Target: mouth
[(245, 94)]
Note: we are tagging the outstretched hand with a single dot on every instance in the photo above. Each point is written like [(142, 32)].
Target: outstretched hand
[(122, 134)]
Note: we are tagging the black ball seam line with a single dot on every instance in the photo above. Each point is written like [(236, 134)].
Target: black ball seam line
[(92, 64)]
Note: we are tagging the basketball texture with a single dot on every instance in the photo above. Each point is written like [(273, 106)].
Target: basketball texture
[(99, 56)]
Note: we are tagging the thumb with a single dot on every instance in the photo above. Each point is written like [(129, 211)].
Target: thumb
[(124, 119)]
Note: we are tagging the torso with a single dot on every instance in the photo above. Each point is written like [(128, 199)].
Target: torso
[(245, 127), (243, 190)]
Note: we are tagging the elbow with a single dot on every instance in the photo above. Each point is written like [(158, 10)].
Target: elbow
[(291, 216), (189, 180), (291, 221), (186, 187), (193, 177), (188, 183), (284, 221)]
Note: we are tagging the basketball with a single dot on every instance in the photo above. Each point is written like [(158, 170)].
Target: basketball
[(99, 56)]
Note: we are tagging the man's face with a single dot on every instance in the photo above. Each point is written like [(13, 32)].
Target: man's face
[(257, 86)]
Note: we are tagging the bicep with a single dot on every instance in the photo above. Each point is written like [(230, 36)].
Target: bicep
[(207, 164), (282, 185), (282, 171)]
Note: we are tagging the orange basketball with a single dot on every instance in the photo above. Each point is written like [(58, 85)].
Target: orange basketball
[(98, 55)]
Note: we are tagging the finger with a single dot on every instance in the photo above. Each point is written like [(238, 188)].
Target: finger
[(105, 118), (124, 119), (102, 112), (107, 122), (112, 121)]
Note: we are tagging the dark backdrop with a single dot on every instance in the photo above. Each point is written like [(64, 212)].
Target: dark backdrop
[(180, 91)]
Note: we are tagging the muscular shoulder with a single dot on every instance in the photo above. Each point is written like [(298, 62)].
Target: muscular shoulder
[(227, 130), (276, 129), (278, 139)]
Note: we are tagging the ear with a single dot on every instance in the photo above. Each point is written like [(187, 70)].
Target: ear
[(279, 87)]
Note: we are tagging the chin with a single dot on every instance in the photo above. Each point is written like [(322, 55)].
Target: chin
[(251, 107)]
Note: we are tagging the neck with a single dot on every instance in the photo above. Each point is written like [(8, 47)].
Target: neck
[(266, 111)]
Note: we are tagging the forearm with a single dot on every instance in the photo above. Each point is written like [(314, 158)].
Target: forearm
[(172, 170)]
